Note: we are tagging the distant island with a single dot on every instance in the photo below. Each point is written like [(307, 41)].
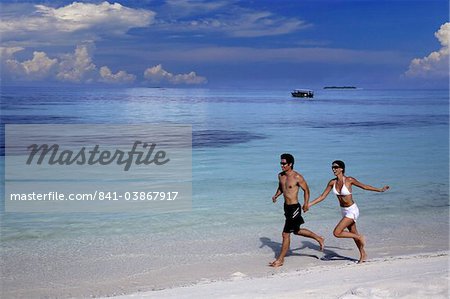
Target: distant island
[(339, 87)]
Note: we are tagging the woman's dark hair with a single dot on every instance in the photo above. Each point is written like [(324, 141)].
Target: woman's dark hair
[(340, 163), (289, 159)]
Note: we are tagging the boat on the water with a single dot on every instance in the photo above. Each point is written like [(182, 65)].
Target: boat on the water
[(302, 93)]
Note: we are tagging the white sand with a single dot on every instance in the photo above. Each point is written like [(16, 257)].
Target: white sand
[(415, 276)]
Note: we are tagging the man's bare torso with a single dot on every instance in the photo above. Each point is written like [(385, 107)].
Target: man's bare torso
[(290, 184)]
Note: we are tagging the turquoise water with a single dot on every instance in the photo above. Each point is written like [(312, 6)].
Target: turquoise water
[(394, 137)]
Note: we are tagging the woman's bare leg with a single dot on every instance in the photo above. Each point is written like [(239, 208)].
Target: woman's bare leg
[(353, 233), (363, 255)]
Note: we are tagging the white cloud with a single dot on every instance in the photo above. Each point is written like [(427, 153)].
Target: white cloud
[(78, 67), (112, 17), (39, 67), (443, 34), (246, 24), (8, 52), (77, 20), (227, 18), (436, 64), (157, 74), (120, 77), (253, 24)]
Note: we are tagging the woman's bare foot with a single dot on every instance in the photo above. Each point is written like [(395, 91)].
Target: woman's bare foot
[(276, 263), (362, 257)]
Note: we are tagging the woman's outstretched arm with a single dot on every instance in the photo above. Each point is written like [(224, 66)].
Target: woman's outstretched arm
[(323, 195), (365, 186)]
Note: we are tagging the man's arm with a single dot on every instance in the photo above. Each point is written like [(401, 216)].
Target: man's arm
[(279, 191), (302, 183)]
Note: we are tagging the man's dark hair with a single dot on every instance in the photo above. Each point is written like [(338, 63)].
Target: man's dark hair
[(289, 159)]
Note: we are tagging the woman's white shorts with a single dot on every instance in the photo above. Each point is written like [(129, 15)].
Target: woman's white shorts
[(351, 212)]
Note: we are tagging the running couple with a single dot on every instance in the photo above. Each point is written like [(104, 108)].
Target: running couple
[(289, 183)]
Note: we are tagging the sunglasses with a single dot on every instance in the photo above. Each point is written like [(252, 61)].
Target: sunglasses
[(284, 163), (335, 167)]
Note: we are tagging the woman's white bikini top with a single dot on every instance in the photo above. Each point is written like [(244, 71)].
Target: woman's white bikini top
[(344, 190)]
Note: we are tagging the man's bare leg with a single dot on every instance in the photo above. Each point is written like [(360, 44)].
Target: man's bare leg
[(284, 249), (309, 234)]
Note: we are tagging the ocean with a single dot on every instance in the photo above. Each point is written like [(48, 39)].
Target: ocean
[(398, 138)]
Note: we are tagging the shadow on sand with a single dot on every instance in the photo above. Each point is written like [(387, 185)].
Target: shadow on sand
[(328, 253)]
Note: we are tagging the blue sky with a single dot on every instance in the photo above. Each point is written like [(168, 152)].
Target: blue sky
[(226, 43)]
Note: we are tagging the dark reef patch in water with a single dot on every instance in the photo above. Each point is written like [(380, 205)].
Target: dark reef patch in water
[(219, 138)]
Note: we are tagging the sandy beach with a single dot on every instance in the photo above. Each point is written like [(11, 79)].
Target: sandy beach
[(410, 276)]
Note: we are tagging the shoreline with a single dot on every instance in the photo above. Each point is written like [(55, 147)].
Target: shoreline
[(405, 276)]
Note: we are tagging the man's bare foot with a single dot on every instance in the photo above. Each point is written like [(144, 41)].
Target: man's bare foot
[(276, 263), (321, 242)]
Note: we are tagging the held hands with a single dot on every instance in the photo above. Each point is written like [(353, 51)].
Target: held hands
[(306, 207)]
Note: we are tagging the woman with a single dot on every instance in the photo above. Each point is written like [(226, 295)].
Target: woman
[(342, 187)]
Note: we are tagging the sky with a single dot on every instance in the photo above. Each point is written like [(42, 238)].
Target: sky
[(226, 43)]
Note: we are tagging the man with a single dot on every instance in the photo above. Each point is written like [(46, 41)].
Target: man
[(289, 183)]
